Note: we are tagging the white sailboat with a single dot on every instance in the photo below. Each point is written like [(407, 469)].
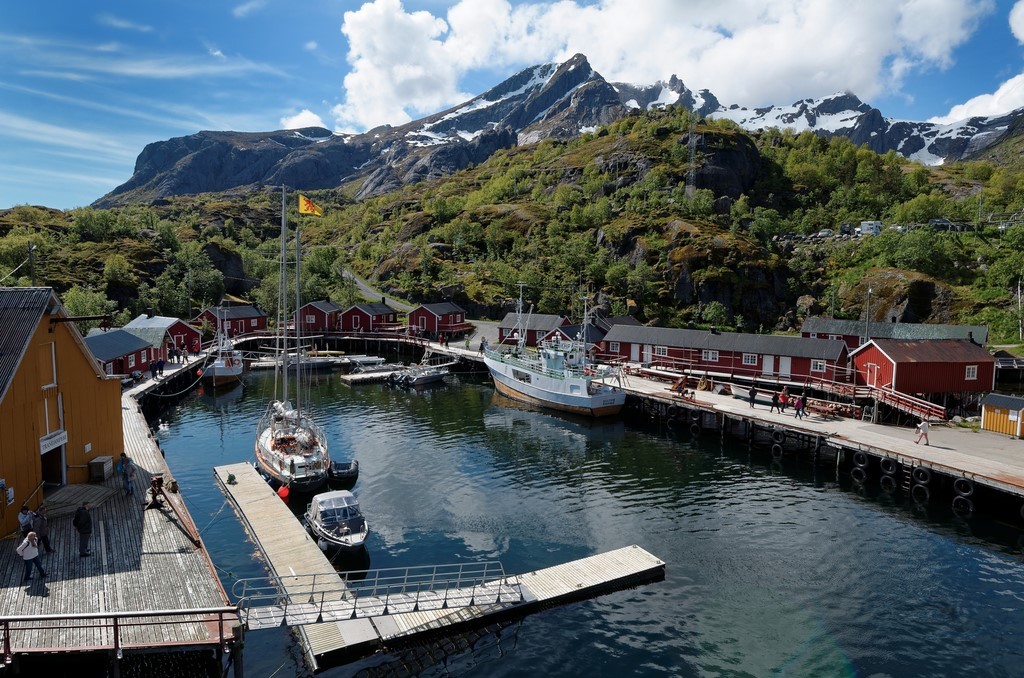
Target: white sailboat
[(227, 366), (290, 447), (555, 374)]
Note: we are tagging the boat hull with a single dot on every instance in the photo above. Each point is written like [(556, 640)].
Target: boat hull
[(300, 472), (605, 403)]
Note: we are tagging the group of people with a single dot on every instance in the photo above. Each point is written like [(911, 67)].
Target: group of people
[(780, 401), (35, 525)]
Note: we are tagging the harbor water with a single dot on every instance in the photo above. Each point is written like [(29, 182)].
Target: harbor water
[(772, 568)]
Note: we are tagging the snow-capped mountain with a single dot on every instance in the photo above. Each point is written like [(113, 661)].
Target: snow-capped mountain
[(549, 100)]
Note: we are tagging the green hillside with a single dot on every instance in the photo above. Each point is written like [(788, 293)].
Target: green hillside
[(610, 211)]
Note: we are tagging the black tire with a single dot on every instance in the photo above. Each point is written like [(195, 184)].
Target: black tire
[(778, 436), (860, 459), (921, 475), (858, 474), (776, 451), (964, 487), (920, 494), (889, 466), (887, 483), (962, 505), (695, 430), (673, 412), (695, 416)]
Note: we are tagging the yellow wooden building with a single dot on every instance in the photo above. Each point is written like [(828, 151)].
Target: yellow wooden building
[(1002, 414), (58, 411)]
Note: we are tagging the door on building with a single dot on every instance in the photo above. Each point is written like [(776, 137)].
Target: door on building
[(871, 374), (647, 354), (634, 352), (768, 368), (785, 366)]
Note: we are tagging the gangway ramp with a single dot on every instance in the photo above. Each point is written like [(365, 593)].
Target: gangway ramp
[(357, 612)]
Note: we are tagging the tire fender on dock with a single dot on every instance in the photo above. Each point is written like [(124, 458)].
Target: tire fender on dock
[(778, 436), (860, 459), (695, 429), (920, 493), (859, 474), (695, 416), (776, 451), (921, 475), (889, 466), (964, 487), (962, 504), (887, 483)]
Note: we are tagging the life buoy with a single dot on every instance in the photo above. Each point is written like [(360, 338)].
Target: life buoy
[(778, 436), (887, 483), (776, 451), (860, 459), (922, 476), (695, 415), (920, 493), (695, 430), (964, 487), (962, 505), (888, 465), (858, 474)]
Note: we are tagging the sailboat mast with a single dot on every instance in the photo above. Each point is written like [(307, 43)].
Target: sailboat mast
[(282, 298), (298, 329)]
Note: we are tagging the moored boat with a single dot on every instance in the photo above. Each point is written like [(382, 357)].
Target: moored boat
[(228, 366), (556, 375), (335, 521)]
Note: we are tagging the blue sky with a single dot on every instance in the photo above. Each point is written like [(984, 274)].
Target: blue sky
[(84, 86)]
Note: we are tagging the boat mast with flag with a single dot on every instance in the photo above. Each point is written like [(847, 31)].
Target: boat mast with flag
[(290, 447), (556, 374)]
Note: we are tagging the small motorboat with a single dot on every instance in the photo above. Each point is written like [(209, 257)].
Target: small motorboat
[(343, 470), (334, 520)]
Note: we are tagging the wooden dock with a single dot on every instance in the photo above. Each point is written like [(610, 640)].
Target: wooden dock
[(334, 618), (144, 562)]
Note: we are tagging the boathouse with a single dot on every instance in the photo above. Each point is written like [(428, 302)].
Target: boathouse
[(928, 367), (58, 411), (437, 319), (1002, 414), (856, 332), (537, 326), (369, 317), (163, 333), (236, 320), (729, 355), (120, 352), (318, 316)]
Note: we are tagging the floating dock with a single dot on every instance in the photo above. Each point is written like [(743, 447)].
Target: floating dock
[(352, 618)]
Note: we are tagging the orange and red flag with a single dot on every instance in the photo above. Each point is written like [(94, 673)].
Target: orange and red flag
[(307, 206)]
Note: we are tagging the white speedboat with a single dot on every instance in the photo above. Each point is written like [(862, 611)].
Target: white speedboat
[(335, 521), (556, 375), (419, 375), (227, 367)]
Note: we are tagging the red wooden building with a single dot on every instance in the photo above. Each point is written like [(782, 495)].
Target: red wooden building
[(935, 366), (120, 352), (236, 320), (537, 326), (433, 320), (369, 317), (856, 332), (318, 316), (164, 332), (729, 354)]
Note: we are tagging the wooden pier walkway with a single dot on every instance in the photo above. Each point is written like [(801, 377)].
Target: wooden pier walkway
[(335, 618), (144, 561)]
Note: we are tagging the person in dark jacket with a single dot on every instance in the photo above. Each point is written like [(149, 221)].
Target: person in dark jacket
[(41, 526), (83, 523)]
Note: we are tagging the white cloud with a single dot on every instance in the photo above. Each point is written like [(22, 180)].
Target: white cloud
[(310, 46), (1017, 21), (1009, 97), (751, 52), (304, 118), (122, 24), (247, 8)]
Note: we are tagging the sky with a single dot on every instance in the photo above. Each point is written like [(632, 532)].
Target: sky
[(85, 86)]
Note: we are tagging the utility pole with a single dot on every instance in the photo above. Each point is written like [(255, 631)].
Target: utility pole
[(32, 264)]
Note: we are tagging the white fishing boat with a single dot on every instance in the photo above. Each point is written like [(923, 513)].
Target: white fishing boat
[(227, 367), (419, 375), (335, 521), (290, 447), (556, 374)]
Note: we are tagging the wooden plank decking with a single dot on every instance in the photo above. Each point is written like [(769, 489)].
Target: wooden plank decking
[(142, 560)]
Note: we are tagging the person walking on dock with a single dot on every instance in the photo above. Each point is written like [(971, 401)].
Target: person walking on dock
[(798, 407), (83, 523), (41, 526), (126, 467), (25, 520), (922, 432), (753, 394), (784, 399), (775, 402), (29, 552)]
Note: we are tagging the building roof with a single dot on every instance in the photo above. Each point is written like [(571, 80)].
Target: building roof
[(110, 344), (373, 308), (1004, 401), (591, 334), (533, 321), (608, 323), (736, 342), (327, 307), (21, 309), (235, 312), (442, 308), (930, 351), (855, 328), (153, 328)]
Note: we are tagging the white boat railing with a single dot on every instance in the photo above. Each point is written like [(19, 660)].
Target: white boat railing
[(532, 363)]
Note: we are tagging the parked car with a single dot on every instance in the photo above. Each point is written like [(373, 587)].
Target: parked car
[(825, 233), (942, 225), (846, 229), (870, 227)]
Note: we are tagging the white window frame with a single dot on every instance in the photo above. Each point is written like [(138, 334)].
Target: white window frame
[(310, 319), (750, 359), (971, 373), (835, 337), (661, 351), (818, 366), (613, 347), (708, 355), (253, 322), (53, 365), (131, 361)]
